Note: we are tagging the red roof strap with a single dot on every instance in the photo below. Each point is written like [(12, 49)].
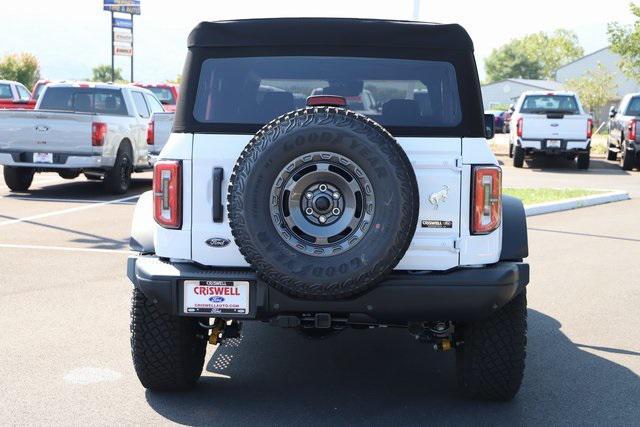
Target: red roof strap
[(331, 100)]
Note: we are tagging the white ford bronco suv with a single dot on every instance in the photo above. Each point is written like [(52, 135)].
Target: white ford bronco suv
[(314, 213)]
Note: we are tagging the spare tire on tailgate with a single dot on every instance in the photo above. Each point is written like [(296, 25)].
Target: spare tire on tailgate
[(323, 203)]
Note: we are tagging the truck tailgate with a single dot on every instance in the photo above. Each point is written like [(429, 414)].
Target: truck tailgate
[(45, 131), (567, 127)]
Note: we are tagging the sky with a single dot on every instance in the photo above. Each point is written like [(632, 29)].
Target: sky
[(72, 36)]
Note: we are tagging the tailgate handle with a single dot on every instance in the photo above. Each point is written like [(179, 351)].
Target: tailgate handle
[(218, 175)]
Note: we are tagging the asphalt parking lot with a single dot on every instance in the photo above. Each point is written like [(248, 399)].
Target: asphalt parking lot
[(64, 317)]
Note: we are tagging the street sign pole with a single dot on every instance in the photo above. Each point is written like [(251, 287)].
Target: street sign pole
[(132, 48), (113, 70)]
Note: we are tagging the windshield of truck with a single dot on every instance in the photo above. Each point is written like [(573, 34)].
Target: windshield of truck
[(164, 94), (394, 92), (544, 104), (84, 100)]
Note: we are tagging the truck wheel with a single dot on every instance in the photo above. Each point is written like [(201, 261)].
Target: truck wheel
[(168, 351), (583, 160), (18, 179), (69, 174), (510, 151), (612, 155), (118, 179), (491, 357), (323, 203), (626, 158), (518, 157)]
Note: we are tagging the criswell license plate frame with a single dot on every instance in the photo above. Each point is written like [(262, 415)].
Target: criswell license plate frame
[(554, 143), (251, 306), (37, 158)]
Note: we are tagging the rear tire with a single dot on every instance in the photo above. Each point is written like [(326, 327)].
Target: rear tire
[(518, 157), (490, 361), (626, 158), (511, 151), (118, 179), (612, 155), (18, 179), (168, 351), (584, 160)]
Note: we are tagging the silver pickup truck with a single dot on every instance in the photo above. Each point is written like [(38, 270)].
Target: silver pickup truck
[(105, 131)]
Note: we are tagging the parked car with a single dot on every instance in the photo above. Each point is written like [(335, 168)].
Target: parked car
[(507, 118), (551, 124), (105, 131), (623, 132), (167, 93), (320, 219), (13, 95), (498, 120)]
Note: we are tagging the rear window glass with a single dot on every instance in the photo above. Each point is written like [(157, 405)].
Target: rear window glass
[(543, 104), (5, 91), (84, 100), (394, 92), (165, 95), (634, 107)]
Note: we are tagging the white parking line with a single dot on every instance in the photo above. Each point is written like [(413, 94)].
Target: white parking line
[(39, 181), (65, 211), (53, 199), (64, 248)]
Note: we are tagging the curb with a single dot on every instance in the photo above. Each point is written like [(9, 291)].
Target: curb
[(575, 203)]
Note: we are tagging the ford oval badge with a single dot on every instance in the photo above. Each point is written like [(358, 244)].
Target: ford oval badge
[(216, 299), (218, 242)]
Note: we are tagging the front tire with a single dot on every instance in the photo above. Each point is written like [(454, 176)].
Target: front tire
[(491, 357), (118, 179), (18, 179), (168, 351)]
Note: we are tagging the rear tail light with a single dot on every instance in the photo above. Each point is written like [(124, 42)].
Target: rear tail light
[(486, 199), (519, 126), (98, 134), (589, 128), (151, 133), (166, 193), (633, 126)]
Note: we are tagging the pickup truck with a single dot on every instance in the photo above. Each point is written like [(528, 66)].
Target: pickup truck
[(551, 124), (623, 132), (167, 94), (105, 131), (13, 95)]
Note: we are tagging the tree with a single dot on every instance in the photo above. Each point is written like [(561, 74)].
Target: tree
[(177, 80), (102, 73), (625, 41), (20, 67), (534, 56), (595, 88)]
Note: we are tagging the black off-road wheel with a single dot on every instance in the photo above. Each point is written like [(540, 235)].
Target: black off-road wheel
[(584, 159), (491, 356), (18, 179), (323, 203), (518, 157), (168, 351), (118, 179), (627, 158)]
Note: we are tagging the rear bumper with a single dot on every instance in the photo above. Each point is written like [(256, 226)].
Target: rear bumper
[(60, 161), (541, 146), (463, 294)]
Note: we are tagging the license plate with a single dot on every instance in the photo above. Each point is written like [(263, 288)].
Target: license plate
[(42, 157), (217, 297), (553, 143)]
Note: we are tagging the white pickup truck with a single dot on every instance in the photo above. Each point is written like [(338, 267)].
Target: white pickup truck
[(105, 131), (550, 123)]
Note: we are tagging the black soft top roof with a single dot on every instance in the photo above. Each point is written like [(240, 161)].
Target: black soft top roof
[(329, 32)]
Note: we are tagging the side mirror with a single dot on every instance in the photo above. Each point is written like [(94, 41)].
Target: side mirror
[(489, 126), (512, 108), (612, 112)]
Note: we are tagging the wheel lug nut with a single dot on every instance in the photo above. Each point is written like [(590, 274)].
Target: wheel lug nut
[(335, 211), (309, 211), (322, 219), (323, 187), (309, 195), (336, 195)]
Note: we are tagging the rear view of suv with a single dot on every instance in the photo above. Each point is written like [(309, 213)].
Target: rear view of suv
[(318, 218)]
